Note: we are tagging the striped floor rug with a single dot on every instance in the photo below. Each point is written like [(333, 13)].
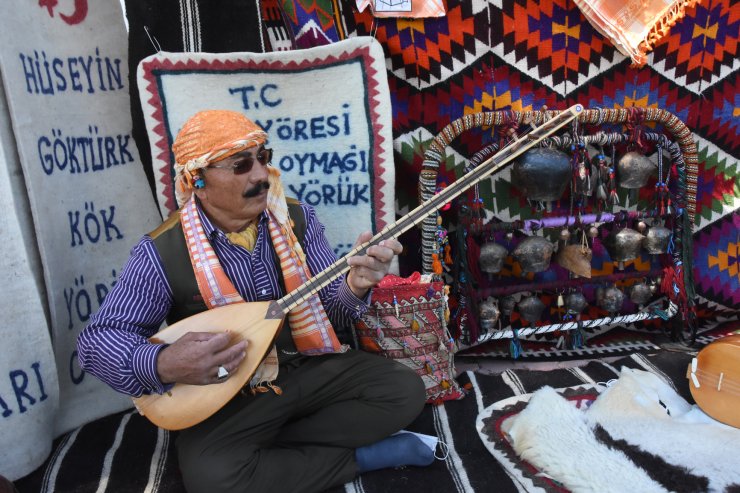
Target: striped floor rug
[(124, 453)]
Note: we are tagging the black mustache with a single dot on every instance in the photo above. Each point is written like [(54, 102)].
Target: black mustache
[(256, 190)]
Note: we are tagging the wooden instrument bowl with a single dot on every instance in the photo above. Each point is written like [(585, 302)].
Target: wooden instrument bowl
[(186, 405), (719, 399)]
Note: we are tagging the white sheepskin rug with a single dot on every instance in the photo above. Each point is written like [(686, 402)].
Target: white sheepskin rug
[(638, 436)]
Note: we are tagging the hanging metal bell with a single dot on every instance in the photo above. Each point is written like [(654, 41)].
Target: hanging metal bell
[(657, 239), (507, 305), (634, 170), (575, 258), (531, 309), (640, 293), (610, 299), (623, 245), (575, 303), (542, 173), (534, 253), (492, 257), (488, 314)]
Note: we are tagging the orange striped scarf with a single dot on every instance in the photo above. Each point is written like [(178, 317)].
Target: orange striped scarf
[(310, 327)]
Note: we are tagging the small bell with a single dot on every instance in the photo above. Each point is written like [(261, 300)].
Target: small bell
[(491, 258), (623, 245), (610, 299), (415, 324), (593, 232), (575, 303), (531, 309), (641, 226), (640, 294), (509, 235), (561, 301), (507, 305), (657, 240), (489, 314), (564, 234), (634, 170), (534, 253)]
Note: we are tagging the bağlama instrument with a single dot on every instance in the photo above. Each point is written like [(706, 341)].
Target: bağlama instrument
[(714, 380), (259, 322)]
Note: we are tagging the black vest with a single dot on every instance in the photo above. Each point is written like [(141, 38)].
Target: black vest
[(187, 301)]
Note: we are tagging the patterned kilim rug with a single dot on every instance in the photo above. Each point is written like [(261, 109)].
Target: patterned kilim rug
[(522, 54), (124, 453)]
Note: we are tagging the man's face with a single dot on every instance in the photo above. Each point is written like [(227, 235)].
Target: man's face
[(232, 195)]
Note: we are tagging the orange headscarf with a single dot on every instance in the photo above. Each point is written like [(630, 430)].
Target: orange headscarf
[(210, 136)]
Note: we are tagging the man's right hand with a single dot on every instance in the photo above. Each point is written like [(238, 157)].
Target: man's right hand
[(195, 357)]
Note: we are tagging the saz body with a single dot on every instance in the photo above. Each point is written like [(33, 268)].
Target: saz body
[(259, 323), (714, 380)]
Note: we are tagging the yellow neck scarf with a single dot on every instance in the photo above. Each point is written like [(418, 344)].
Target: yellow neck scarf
[(245, 238)]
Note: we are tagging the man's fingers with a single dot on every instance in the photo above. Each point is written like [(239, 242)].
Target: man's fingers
[(394, 245), (232, 353), (364, 237), (365, 261)]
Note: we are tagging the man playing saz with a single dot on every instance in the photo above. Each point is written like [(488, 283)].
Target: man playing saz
[(318, 413)]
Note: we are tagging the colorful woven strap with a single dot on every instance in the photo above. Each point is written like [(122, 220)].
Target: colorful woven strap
[(311, 329)]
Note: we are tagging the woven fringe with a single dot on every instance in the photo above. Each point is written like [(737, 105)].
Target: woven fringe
[(660, 29)]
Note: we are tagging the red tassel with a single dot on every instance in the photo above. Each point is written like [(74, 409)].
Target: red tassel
[(665, 285), (672, 285)]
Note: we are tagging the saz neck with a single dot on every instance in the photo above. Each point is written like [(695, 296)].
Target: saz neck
[(512, 150)]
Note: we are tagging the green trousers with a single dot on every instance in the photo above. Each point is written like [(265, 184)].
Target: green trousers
[(304, 439)]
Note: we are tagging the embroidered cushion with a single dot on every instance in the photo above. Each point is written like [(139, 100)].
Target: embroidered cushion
[(406, 322)]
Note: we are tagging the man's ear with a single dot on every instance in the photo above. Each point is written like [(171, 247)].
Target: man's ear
[(201, 192)]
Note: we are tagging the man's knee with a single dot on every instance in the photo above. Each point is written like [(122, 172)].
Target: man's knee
[(214, 471), (409, 391)]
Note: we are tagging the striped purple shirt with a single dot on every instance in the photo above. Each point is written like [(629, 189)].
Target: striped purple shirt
[(114, 345)]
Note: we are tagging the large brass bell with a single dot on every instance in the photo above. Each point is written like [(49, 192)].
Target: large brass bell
[(575, 258), (640, 293), (623, 245), (542, 173), (634, 170), (657, 239), (488, 314), (492, 257), (534, 254), (531, 308), (610, 299)]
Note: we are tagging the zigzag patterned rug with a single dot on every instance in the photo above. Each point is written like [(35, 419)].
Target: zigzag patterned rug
[(490, 55), (124, 453)]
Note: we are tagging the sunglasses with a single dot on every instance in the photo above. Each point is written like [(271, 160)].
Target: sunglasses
[(244, 163)]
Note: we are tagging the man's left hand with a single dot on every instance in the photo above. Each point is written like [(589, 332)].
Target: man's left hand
[(367, 270)]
